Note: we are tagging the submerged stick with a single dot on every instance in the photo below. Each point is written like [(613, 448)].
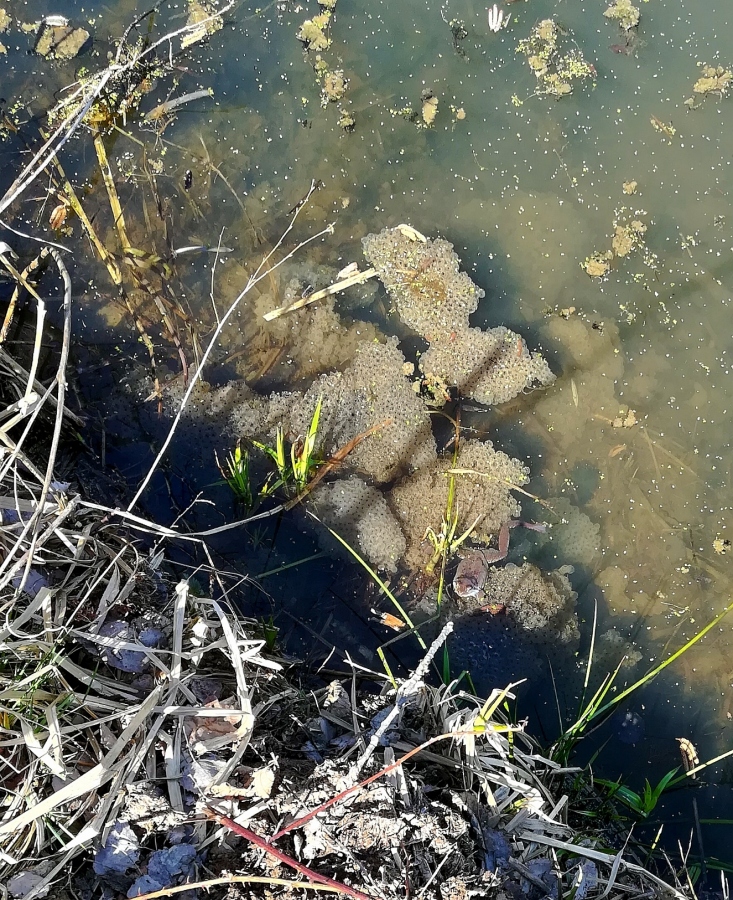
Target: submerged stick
[(162, 108), (358, 278)]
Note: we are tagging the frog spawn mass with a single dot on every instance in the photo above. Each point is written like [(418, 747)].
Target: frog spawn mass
[(393, 487), (434, 298)]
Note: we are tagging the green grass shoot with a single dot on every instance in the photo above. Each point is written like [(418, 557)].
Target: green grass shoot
[(645, 802), (294, 467), (235, 472)]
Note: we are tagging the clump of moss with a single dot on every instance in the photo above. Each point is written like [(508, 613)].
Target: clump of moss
[(333, 82), (628, 237), (346, 120), (313, 32), (556, 71), (713, 80), (624, 13)]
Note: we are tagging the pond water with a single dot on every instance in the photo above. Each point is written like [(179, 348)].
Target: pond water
[(527, 188)]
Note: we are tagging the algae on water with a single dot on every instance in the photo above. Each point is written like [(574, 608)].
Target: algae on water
[(713, 80), (624, 13), (313, 32), (556, 69)]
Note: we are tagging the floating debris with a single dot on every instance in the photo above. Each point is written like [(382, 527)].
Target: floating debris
[(496, 19), (5, 21), (665, 128), (625, 419), (624, 13), (556, 71), (598, 264), (714, 80), (628, 235), (429, 110), (58, 39), (721, 545), (630, 187), (346, 120), (333, 83), (459, 33)]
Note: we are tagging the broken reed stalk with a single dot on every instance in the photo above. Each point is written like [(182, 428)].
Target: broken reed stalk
[(238, 879), (114, 199), (22, 279), (358, 278), (262, 844)]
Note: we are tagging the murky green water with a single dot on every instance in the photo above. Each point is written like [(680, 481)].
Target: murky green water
[(526, 188)]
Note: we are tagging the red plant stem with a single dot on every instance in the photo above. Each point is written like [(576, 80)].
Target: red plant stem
[(298, 823), (284, 858)]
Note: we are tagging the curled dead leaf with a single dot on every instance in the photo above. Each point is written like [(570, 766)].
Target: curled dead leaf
[(58, 216)]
